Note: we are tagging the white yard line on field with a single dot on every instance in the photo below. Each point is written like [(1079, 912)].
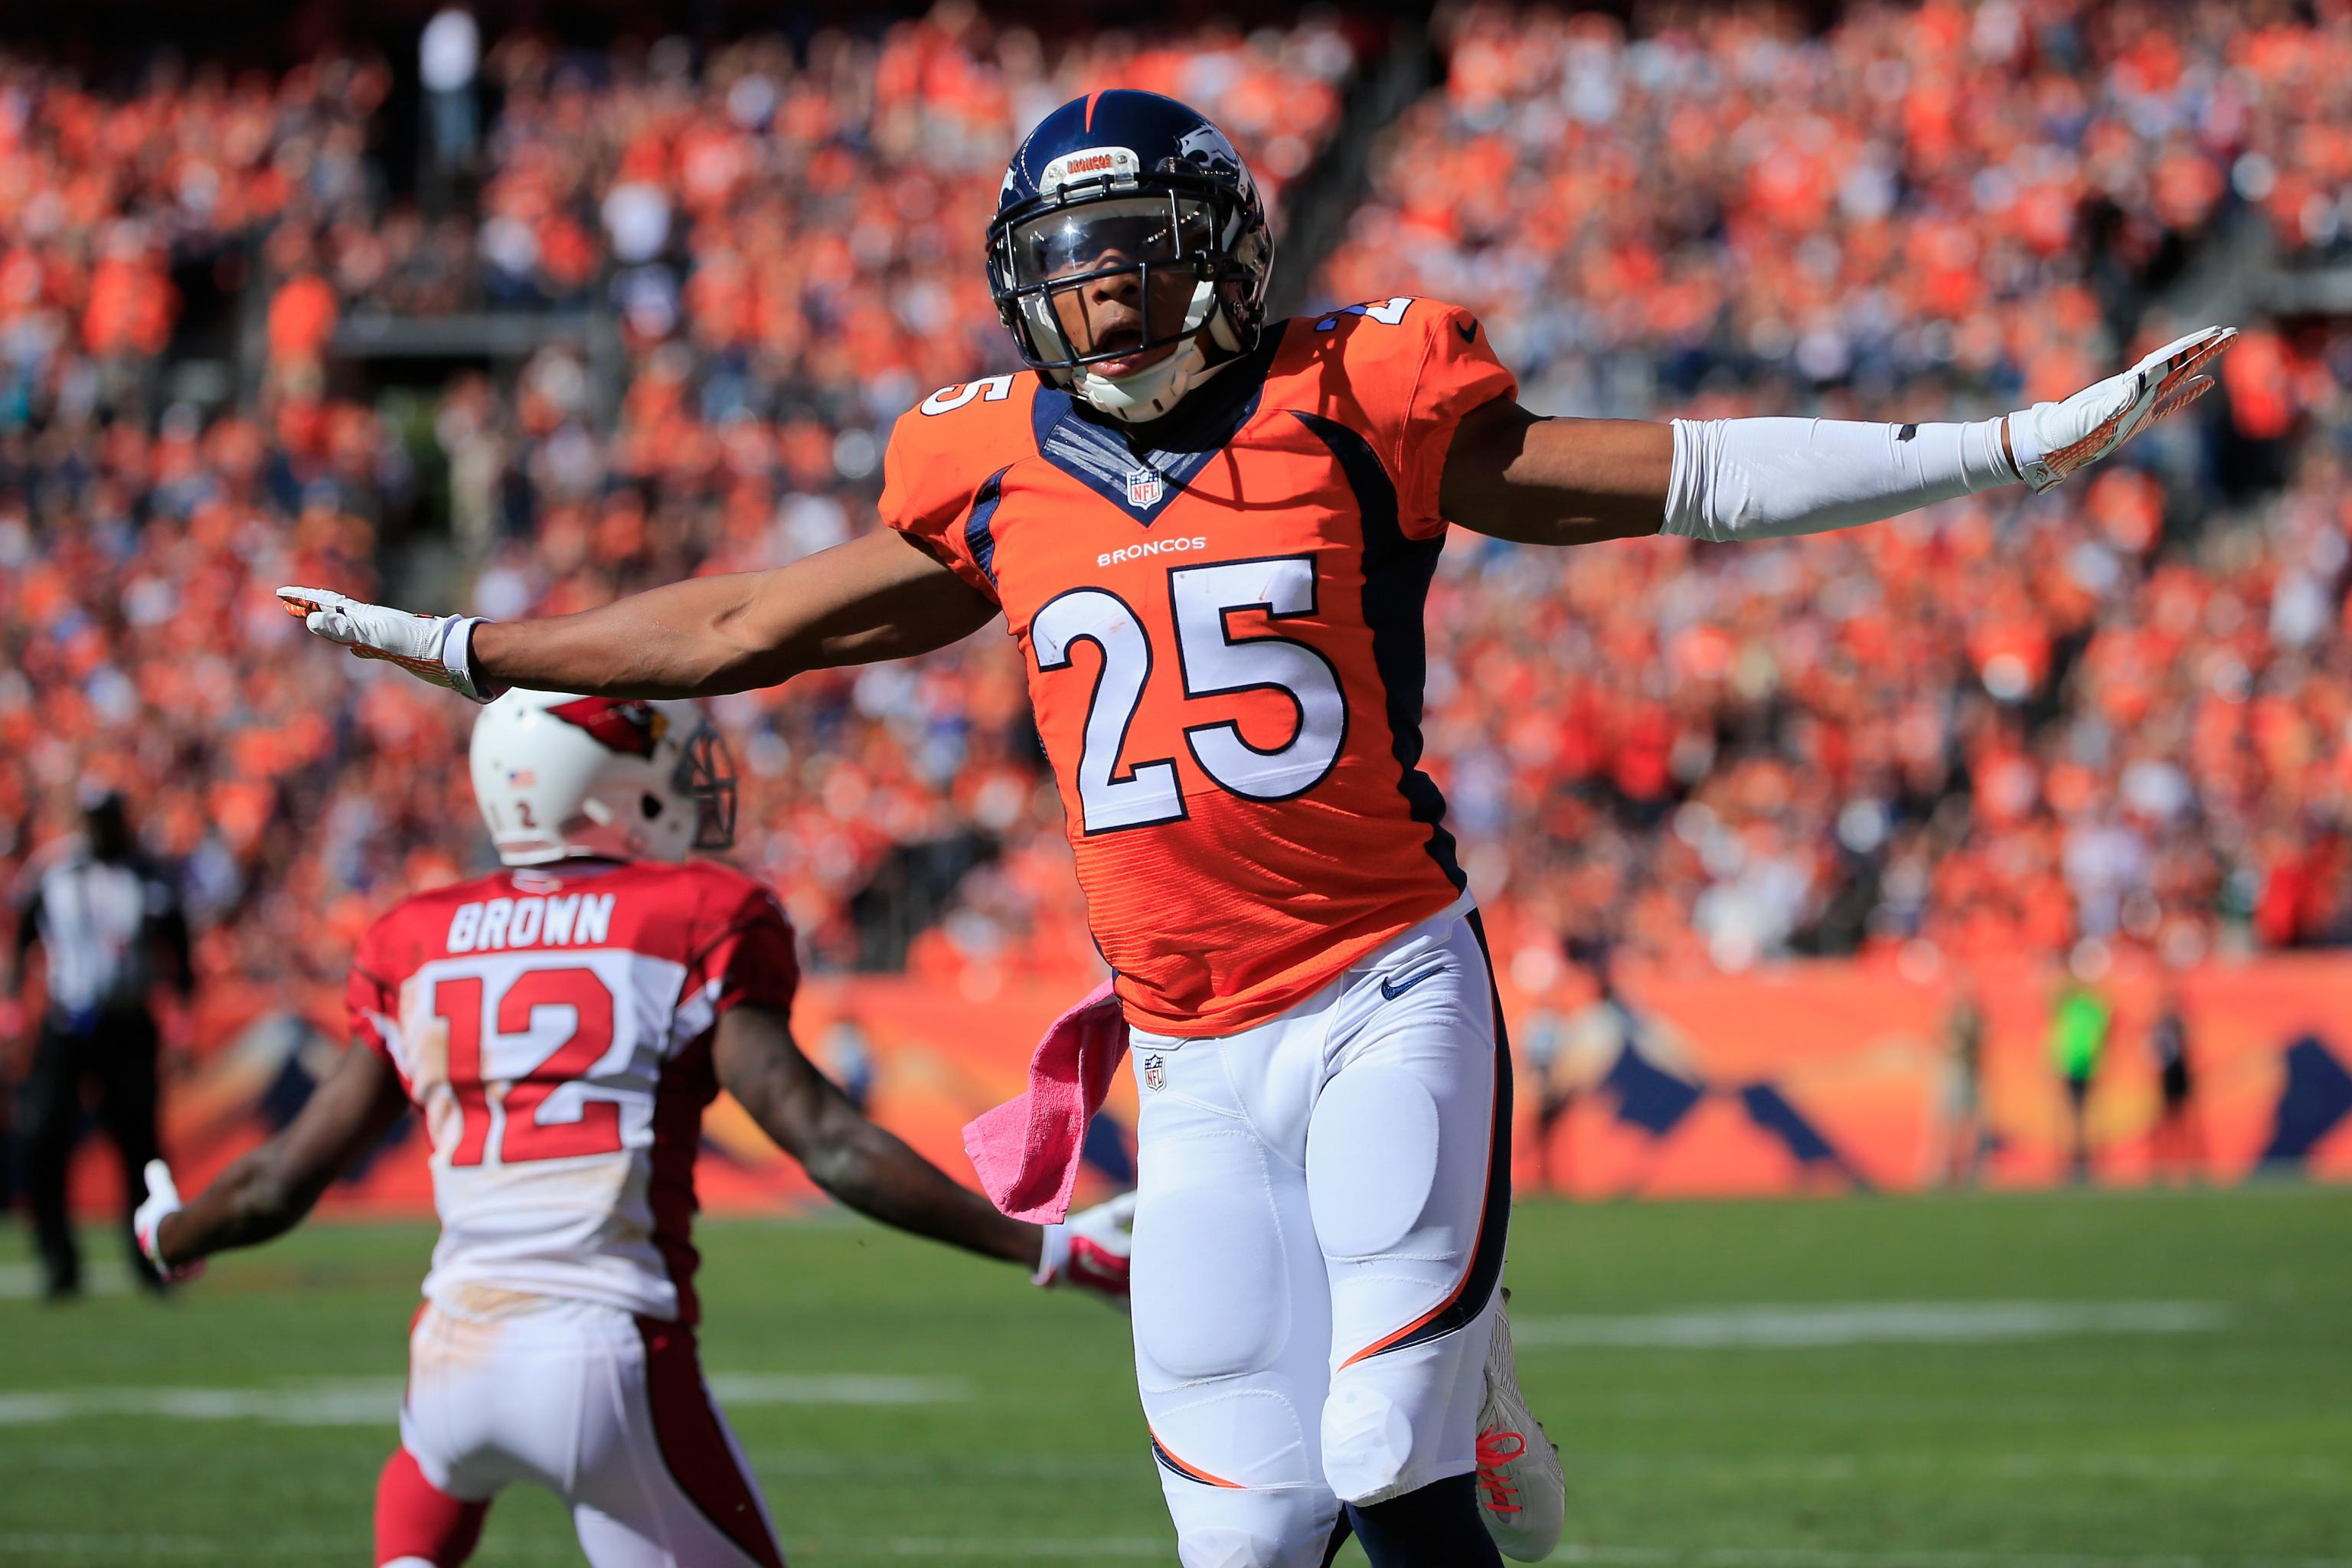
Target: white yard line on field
[(139, 1547), (85, 1545), (375, 1401), (24, 1281), (1824, 1557), (78, 1544), (1812, 1325), (1133, 1464), (1830, 1469)]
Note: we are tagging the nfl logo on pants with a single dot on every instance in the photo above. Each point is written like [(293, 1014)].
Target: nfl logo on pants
[(1143, 487)]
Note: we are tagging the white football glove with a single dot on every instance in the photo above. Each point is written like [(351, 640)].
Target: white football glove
[(162, 1200), (435, 648), (1090, 1250), (2051, 440)]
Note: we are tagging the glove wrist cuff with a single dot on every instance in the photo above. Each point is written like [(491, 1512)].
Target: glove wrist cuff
[(458, 658), (151, 1242), (1053, 1255), (2032, 464)]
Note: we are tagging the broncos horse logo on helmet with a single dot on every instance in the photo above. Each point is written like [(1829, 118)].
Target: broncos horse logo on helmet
[(1208, 148), (1126, 181)]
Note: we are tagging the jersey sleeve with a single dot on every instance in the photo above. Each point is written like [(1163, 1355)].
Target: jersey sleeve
[(750, 958), (1416, 407), (370, 997), (927, 496)]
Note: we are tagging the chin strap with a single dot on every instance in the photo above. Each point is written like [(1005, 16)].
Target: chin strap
[(1154, 391), (1149, 392)]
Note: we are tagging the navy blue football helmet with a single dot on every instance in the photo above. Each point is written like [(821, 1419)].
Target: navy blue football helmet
[(1130, 183)]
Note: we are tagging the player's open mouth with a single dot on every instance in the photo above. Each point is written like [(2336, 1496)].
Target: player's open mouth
[(1126, 336)]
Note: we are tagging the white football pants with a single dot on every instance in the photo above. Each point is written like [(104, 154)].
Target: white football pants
[(1319, 1236), (606, 1410)]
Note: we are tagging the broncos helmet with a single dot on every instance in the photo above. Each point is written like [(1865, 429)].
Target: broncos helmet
[(1128, 181)]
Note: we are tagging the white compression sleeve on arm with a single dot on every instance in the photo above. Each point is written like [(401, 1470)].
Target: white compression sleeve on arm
[(1768, 479)]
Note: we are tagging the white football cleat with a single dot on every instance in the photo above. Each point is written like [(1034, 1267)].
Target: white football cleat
[(1522, 1492)]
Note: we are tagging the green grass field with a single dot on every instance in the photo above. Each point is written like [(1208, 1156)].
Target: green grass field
[(2110, 1381)]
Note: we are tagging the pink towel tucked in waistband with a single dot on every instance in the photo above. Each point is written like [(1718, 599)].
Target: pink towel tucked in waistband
[(1027, 1150)]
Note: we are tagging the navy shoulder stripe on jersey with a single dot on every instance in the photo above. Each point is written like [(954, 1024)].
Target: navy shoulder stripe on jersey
[(1397, 572)]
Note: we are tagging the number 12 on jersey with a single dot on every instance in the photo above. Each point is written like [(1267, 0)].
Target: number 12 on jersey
[(460, 1003), (1211, 662)]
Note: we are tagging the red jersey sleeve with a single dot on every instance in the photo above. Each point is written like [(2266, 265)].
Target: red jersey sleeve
[(751, 958), (936, 488), (370, 996)]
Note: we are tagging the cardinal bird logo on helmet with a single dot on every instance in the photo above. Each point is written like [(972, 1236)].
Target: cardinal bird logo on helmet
[(631, 728)]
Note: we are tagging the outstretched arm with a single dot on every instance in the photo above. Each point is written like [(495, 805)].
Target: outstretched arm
[(858, 1163), (872, 1172), (875, 597), (879, 596), (267, 1192), (1532, 480), (1574, 482)]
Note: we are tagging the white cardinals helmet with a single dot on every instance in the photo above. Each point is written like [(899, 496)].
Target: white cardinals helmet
[(559, 776)]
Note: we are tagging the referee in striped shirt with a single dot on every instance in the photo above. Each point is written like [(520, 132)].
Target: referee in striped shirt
[(110, 928)]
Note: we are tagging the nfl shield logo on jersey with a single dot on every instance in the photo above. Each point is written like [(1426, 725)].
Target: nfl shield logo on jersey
[(1144, 486), (1155, 1074)]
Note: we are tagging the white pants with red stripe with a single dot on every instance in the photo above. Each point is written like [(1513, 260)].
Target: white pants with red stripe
[(607, 1410), (1318, 1238)]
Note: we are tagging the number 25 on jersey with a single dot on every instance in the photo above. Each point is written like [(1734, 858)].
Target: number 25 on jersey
[(1210, 661)]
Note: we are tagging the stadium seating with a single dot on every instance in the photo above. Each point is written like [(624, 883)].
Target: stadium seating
[(2008, 725), (2118, 712)]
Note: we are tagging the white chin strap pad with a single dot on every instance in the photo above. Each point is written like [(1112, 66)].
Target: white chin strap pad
[(1154, 390), (1149, 392)]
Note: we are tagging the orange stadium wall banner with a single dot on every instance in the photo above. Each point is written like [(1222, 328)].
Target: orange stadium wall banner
[(1812, 1077)]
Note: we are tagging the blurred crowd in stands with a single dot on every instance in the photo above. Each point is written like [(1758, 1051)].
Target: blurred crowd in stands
[(2122, 712), (2115, 713)]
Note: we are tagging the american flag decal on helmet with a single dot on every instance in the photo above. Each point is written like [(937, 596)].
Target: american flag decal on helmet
[(631, 728)]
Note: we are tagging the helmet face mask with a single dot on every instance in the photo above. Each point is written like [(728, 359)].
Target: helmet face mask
[(1129, 184), (706, 777), (1061, 253)]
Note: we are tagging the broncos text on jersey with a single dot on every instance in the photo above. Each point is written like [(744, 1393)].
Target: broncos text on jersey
[(1223, 633)]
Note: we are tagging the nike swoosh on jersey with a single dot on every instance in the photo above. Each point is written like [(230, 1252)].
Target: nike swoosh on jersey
[(1401, 987)]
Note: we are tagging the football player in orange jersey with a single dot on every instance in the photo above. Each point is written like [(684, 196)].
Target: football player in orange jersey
[(1212, 536)]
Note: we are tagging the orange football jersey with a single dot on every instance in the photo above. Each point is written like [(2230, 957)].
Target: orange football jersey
[(1225, 643)]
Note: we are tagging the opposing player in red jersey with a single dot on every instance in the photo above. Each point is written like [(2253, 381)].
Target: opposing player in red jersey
[(1213, 536), (561, 1023)]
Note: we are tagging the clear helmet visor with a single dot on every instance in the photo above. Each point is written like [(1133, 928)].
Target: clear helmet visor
[(1109, 236)]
